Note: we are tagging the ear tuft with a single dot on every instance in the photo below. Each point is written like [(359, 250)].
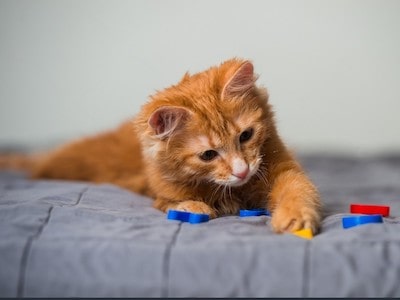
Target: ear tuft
[(165, 120), (241, 82), (185, 77)]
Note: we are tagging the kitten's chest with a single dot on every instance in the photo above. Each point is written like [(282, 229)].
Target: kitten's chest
[(230, 200), (253, 196)]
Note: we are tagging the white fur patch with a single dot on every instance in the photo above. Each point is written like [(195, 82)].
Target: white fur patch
[(235, 181), (152, 149), (199, 143), (204, 141), (239, 166)]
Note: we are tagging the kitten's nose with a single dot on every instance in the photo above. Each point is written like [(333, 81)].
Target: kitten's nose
[(240, 168), (242, 174)]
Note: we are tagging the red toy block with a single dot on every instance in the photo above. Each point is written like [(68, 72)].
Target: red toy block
[(370, 209)]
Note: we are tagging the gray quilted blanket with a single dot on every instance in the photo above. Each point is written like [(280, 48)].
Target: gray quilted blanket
[(75, 239)]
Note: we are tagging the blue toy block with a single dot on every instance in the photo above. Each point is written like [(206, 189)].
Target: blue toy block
[(348, 222), (185, 216), (254, 212)]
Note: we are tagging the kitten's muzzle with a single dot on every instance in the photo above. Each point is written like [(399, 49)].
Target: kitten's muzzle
[(242, 174), (241, 177)]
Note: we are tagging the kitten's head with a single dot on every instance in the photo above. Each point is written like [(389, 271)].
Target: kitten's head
[(210, 127)]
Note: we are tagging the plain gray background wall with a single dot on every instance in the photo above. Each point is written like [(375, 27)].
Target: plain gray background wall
[(332, 68)]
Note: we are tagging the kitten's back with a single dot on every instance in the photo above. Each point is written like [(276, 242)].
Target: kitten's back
[(101, 158)]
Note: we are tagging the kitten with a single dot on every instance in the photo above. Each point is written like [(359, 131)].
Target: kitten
[(208, 144)]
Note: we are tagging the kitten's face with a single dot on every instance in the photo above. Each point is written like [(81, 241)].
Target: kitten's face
[(208, 128), (226, 154)]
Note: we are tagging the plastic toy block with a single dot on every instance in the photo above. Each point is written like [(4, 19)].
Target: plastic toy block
[(253, 212), (370, 209), (185, 216), (348, 222), (305, 233)]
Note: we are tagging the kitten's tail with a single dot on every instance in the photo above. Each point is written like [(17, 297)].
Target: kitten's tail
[(19, 161)]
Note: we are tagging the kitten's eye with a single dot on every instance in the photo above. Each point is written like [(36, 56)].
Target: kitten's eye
[(246, 135), (209, 155)]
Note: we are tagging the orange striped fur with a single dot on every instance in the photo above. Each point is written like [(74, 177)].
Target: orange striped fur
[(208, 144)]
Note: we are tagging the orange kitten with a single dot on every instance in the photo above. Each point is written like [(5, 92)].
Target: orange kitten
[(206, 145)]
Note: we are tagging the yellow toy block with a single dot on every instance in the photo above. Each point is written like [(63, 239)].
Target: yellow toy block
[(304, 233)]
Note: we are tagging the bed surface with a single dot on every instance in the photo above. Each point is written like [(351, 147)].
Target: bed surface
[(75, 239)]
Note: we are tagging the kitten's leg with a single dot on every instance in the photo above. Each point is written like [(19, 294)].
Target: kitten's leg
[(192, 206), (294, 202)]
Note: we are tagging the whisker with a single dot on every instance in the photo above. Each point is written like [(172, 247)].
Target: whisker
[(260, 175), (230, 193), (215, 193), (224, 193)]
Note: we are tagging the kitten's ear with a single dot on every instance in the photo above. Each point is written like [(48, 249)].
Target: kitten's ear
[(166, 119), (241, 82), (185, 77)]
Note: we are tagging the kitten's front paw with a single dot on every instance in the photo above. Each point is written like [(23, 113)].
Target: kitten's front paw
[(196, 207), (291, 216)]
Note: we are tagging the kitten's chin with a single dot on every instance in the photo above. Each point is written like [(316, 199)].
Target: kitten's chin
[(236, 182)]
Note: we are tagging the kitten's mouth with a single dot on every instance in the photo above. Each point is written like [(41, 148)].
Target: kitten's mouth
[(238, 182), (234, 181)]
